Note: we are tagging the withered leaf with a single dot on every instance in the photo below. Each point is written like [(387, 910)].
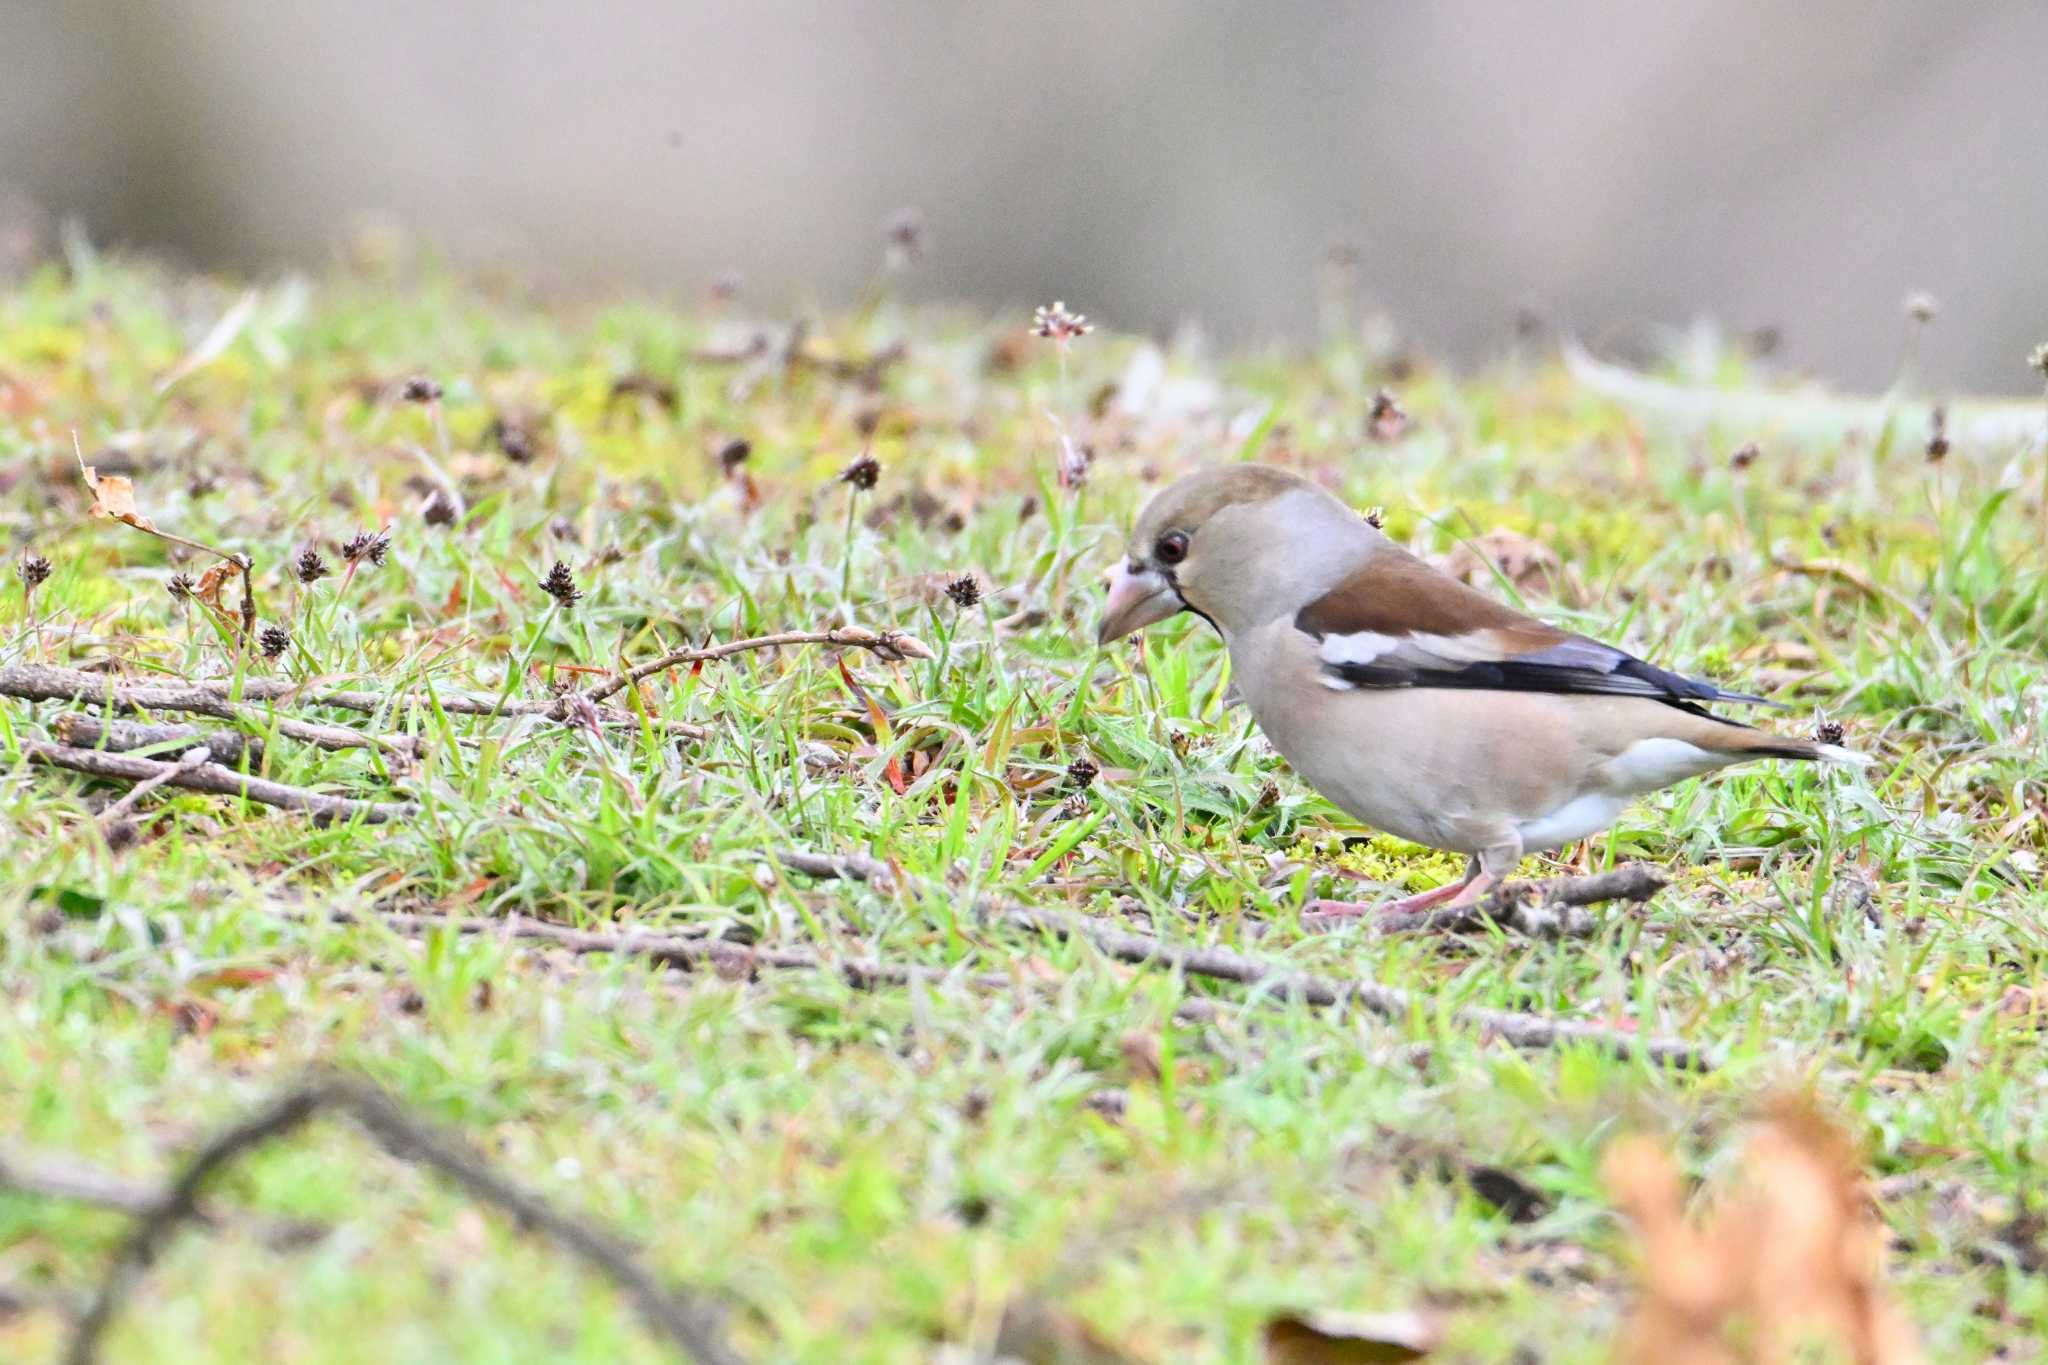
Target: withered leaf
[(1793, 1252), (210, 583), (113, 497), (1323, 1338)]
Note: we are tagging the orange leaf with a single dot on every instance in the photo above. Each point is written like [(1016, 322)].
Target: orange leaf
[(113, 496), (210, 583), (893, 770)]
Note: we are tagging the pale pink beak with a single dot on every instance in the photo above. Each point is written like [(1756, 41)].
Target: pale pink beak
[(1137, 598)]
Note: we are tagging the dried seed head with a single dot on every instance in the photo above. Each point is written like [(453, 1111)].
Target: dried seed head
[(560, 584), (1375, 517), (310, 567), (2038, 358), (733, 454), (367, 545), (200, 485), (514, 439), (1057, 324), (561, 528), (34, 571), (580, 713), (726, 286), (964, 591), (1921, 307), (1744, 455), (180, 586), (420, 389), (1827, 731), (1075, 807), (863, 472), (1386, 419), (1082, 771), (1075, 461), (273, 640), (904, 233), (1937, 435), (439, 509)]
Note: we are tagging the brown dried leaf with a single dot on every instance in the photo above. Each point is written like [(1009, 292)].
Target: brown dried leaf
[(1793, 1252), (212, 581), (113, 497), (1350, 1338), (1143, 1055)]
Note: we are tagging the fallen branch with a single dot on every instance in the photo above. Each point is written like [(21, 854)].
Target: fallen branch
[(211, 777), (889, 644), (688, 951), (226, 747), (680, 1317), (34, 682), (1543, 909), (1523, 1030)]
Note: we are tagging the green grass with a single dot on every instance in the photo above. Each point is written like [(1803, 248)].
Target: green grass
[(873, 1175)]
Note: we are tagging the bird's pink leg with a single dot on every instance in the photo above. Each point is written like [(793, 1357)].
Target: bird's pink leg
[(1422, 900)]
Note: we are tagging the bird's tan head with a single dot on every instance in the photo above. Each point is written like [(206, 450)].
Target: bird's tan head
[(1229, 544)]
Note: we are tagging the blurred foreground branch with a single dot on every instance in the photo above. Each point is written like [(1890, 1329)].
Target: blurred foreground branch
[(680, 1317)]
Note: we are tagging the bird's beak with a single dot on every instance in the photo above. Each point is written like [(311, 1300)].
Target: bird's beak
[(1137, 598)]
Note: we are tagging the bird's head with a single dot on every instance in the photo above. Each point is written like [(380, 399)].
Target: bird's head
[(1237, 545)]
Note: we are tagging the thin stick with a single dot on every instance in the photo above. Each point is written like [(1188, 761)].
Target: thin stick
[(228, 747), (211, 777), (680, 1317), (726, 956), (889, 644), (186, 762), (33, 682), (1523, 1030)]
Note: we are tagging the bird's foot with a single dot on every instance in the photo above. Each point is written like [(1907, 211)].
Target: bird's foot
[(1470, 893), (1420, 901)]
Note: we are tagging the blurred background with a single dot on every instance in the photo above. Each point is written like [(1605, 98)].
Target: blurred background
[(1610, 168)]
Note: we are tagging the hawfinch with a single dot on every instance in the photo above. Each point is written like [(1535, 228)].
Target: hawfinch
[(1419, 705)]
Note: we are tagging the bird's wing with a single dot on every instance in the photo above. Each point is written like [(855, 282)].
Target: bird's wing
[(1396, 622)]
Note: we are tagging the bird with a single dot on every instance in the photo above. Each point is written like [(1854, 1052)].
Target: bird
[(1417, 704)]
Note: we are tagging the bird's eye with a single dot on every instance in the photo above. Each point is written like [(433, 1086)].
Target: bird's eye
[(1172, 547)]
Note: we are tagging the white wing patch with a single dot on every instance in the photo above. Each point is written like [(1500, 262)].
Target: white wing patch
[(1363, 647), (1413, 649)]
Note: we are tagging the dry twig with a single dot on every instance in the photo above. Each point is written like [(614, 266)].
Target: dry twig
[(1523, 1030), (211, 777), (888, 644), (228, 747), (724, 955), (224, 700), (680, 1317), (33, 682)]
